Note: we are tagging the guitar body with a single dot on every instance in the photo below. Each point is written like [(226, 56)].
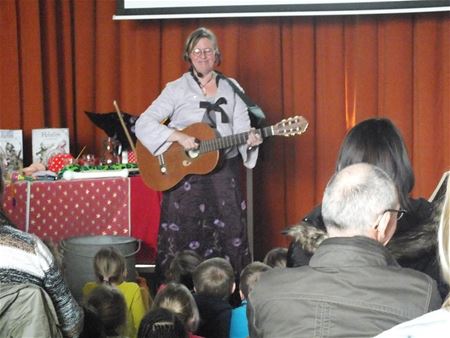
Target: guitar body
[(176, 161)]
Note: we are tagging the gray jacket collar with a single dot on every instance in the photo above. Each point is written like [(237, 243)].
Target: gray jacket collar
[(340, 252)]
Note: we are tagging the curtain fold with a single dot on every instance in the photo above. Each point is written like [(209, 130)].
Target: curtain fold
[(62, 58)]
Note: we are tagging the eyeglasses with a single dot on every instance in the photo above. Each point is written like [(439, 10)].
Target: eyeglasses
[(400, 212), (205, 51)]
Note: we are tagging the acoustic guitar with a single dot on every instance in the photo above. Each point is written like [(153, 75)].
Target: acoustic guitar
[(164, 171)]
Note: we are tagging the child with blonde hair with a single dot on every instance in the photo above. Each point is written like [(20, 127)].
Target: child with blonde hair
[(214, 284), (110, 269), (249, 277), (276, 258), (177, 298)]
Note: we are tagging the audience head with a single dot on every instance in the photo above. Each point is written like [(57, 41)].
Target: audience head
[(161, 323), (110, 306), (2, 185), (276, 258), (214, 277), (110, 266), (250, 276), (4, 220), (444, 240), (177, 298), (377, 141), (195, 37), (182, 266), (361, 199), (93, 326)]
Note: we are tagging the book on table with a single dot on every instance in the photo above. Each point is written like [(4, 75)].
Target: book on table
[(48, 142), (11, 149)]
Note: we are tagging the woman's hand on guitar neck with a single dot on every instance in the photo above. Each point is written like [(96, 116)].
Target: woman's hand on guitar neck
[(186, 141), (254, 139)]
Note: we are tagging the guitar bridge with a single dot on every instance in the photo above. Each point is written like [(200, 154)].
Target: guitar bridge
[(162, 164)]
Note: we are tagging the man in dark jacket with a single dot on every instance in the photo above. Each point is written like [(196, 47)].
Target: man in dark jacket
[(352, 286)]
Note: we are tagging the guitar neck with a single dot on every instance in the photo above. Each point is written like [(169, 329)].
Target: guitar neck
[(232, 140)]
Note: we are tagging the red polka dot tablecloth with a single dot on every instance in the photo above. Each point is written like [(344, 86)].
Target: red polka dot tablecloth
[(55, 210), (15, 203), (79, 208)]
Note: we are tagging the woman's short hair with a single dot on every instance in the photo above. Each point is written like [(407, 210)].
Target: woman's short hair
[(195, 37), (109, 266), (177, 298), (377, 141)]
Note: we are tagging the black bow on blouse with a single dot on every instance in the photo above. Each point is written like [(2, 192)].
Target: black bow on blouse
[(211, 107)]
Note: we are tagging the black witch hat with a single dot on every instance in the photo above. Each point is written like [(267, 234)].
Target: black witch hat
[(110, 123)]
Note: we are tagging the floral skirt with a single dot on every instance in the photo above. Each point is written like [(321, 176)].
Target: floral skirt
[(205, 213)]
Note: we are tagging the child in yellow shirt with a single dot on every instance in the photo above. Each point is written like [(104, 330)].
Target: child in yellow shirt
[(110, 269)]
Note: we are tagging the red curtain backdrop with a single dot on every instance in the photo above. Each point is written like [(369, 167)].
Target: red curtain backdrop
[(61, 58)]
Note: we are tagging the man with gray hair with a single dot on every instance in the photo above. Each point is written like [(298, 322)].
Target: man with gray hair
[(352, 286)]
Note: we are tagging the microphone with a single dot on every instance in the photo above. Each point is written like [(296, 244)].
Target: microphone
[(200, 75)]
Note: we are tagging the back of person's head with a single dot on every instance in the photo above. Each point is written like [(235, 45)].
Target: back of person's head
[(276, 258), (182, 266), (444, 240), (250, 276), (161, 323), (177, 298), (110, 266), (110, 306), (2, 186), (377, 141), (214, 277), (356, 198), (4, 220), (93, 325)]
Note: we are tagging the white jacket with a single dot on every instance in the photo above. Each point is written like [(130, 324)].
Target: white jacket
[(434, 324)]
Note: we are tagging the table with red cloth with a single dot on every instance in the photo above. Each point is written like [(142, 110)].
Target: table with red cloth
[(55, 210)]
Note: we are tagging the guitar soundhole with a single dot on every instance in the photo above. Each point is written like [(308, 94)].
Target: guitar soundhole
[(193, 153)]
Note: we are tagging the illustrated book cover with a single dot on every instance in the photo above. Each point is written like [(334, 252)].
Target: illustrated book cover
[(48, 142), (11, 149)]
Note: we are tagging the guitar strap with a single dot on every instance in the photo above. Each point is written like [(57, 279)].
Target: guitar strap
[(257, 116)]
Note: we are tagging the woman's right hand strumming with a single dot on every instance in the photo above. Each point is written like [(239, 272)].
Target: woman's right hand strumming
[(186, 141)]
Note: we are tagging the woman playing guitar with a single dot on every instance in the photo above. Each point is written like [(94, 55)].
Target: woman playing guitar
[(204, 213)]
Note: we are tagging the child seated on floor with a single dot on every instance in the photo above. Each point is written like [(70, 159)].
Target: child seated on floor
[(182, 266), (177, 298), (108, 305), (276, 258), (213, 284), (110, 269), (249, 277), (162, 323)]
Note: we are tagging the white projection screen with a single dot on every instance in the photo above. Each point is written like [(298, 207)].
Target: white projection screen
[(172, 9)]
